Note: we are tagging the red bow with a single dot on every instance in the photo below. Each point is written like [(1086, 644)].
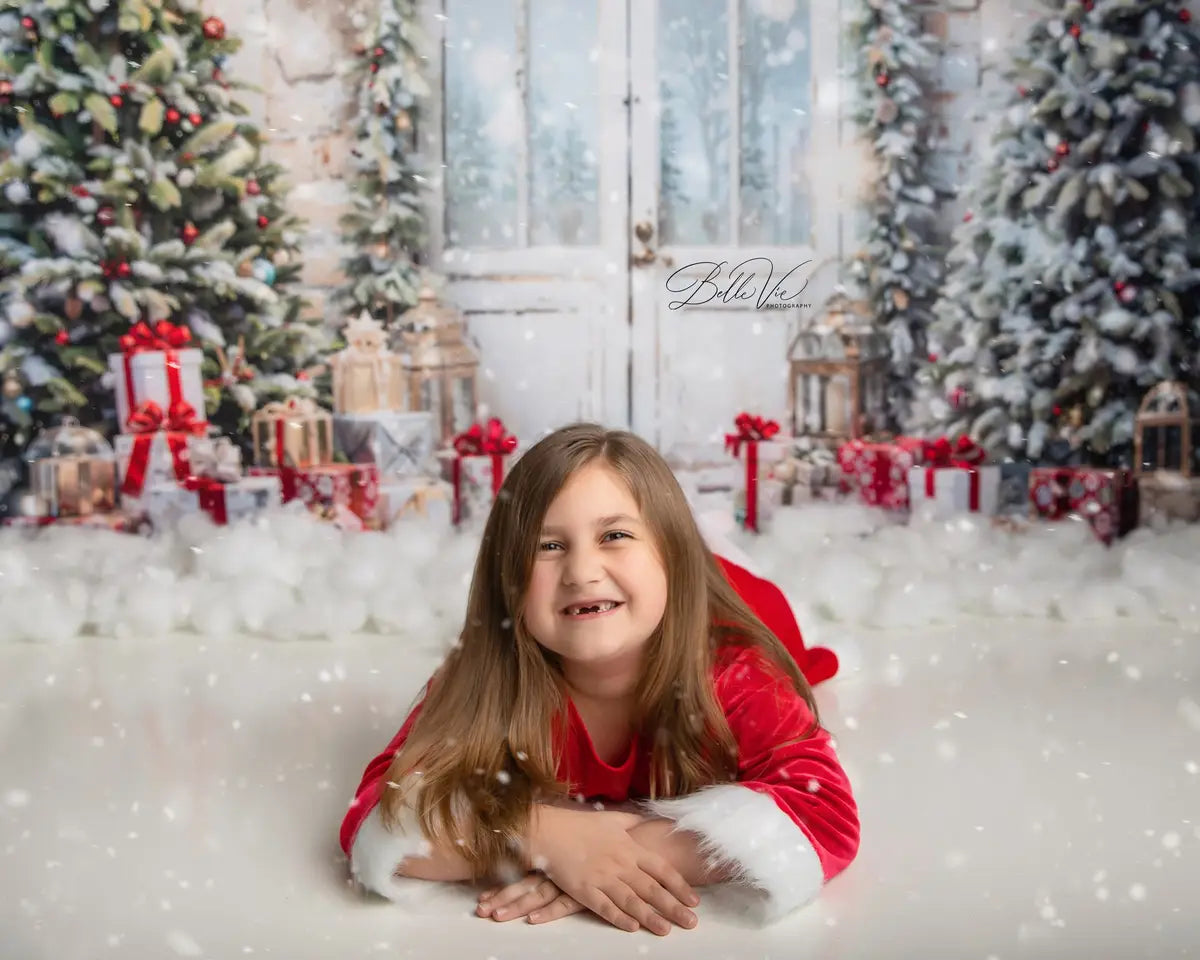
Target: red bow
[(481, 441), (964, 452), (149, 418), (163, 336), (749, 429)]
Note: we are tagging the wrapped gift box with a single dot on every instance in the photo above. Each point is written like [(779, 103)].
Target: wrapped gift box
[(415, 497), (168, 458), (295, 433), (399, 444), (476, 484), (326, 488), (878, 472), (163, 504), (114, 521), (1106, 499), (944, 492), (162, 377), (1013, 496)]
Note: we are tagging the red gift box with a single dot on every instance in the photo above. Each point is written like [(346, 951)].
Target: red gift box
[(492, 441), (879, 471), (1106, 499), (331, 486)]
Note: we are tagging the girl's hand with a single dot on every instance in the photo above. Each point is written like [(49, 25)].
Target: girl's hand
[(535, 896), (592, 858)]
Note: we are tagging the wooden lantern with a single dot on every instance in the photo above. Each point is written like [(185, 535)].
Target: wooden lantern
[(1166, 454), (1168, 425), (838, 375), (442, 366)]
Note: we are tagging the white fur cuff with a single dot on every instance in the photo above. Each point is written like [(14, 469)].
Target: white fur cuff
[(747, 830), (377, 853)]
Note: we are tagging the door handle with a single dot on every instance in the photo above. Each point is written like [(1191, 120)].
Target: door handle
[(644, 231)]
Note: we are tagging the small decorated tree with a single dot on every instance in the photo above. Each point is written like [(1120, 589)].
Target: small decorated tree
[(385, 226), (900, 267)]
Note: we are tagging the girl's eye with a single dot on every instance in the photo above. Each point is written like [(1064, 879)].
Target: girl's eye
[(617, 533), (547, 545)]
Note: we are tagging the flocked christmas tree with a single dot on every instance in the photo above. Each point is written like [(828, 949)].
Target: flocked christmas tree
[(900, 267), (385, 226), (134, 189), (1074, 282)]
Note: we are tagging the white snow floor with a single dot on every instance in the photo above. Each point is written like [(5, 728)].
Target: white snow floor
[(1029, 787)]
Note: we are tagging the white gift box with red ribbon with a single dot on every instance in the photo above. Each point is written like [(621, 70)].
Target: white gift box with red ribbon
[(945, 492)]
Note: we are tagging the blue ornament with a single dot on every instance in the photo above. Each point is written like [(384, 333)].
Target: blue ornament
[(24, 403), (219, 61), (263, 271)]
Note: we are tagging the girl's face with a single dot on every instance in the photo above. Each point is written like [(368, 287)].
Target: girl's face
[(598, 588)]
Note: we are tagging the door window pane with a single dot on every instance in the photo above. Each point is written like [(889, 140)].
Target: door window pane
[(776, 122), (694, 121), (483, 122), (564, 118)]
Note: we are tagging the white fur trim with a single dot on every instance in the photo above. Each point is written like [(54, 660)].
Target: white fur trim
[(745, 829), (377, 853)]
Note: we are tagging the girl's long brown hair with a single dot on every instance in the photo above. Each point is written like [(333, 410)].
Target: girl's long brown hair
[(482, 751)]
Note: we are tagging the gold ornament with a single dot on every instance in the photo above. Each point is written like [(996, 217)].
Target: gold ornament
[(901, 299), (12, 387), (245, 269), (381, 250), (403, 120), (73, 308)]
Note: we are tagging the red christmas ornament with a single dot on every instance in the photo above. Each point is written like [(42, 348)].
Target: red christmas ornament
[(214, 28), (262, 222), (28, 23), (187, 157), (116, 101), (1057, 411), (1185, 16), (173, 115), (124, 270), (968, 217), (1075, 30), (6, 89), (932, 358), (190, 233), (106, 216), (80, 191), (253, 188), (882, 80), (126, 87), (1088, 4), (1023, 91), (1063, 148), (1052, 165), (1119, 286), (374, 68), (302, 375), (62, 338), (957, 397), (196, 119), (379, 51)]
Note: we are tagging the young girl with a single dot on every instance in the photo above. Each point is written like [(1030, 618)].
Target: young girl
[(605, 657)]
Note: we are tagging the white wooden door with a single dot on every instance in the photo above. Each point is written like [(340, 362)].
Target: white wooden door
[(737, 168), (530, 205), (590, 150)]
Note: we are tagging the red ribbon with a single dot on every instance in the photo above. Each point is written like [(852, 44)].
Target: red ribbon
[(492, 440), (211, 494), (164, 336), (750, 431), (963, 454), (146, 421)]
